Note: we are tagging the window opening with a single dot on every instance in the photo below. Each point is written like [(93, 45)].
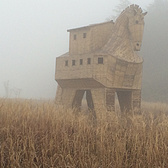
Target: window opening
[(73, 62), (81, 61), (100, 60), (84, 35), (89, 61), (66, 63)]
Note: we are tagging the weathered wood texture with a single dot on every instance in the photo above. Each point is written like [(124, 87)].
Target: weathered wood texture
[(103, 60)]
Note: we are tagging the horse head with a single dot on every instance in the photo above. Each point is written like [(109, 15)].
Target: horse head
[(135, 25)]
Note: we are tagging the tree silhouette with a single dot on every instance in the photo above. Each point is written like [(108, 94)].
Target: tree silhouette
[(155, 52), (120, 7), (6, 85)]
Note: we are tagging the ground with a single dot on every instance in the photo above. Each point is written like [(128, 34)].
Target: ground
[(37, 133)]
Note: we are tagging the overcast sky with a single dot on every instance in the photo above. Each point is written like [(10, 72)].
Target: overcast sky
[(34, 32)]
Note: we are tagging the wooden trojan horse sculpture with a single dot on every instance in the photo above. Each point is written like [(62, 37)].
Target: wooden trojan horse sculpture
[(103, 60)]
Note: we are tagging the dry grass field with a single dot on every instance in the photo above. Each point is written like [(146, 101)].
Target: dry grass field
[(36, 134)]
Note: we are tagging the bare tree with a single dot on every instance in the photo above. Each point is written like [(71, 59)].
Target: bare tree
[(6, 85), (16, 92), (119, 8), (155, 52), (122, 5), (11, 91)]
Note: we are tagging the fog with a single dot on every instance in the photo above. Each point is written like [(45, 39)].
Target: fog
[(34, 32)]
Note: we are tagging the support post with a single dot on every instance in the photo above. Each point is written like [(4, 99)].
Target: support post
[(110, 99)]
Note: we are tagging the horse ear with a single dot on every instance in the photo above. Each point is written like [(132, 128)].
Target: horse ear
[(144, 13)]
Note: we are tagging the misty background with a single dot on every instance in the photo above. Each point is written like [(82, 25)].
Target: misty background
[(33, 33)]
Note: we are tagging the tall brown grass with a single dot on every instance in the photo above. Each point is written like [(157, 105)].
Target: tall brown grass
[(38, 134)]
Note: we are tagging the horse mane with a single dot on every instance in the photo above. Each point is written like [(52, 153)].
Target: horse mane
[(133, 8)]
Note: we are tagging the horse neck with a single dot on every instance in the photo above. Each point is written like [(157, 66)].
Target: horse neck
[(121, 29), (120, 44)]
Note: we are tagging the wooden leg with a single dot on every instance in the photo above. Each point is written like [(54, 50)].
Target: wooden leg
[(136, 101), (58, 96), (110, 99), (89, 100), (77, 101), (99, 99), (90, 104), (67, 97)]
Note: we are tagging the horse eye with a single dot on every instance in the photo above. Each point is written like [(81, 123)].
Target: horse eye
[(136, 22)]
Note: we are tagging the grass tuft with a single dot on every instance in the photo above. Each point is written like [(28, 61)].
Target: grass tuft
[(38, 134)]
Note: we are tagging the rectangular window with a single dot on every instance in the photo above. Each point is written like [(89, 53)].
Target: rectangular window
[(73, 62), (81, 61), (84, 35), (89, 61), (100, 60), (74, 36), (66, 63)]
